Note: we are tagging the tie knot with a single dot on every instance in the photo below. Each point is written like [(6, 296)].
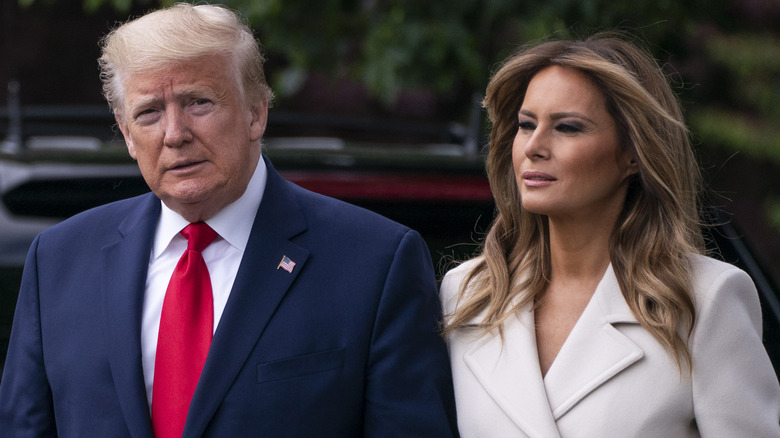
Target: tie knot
[(199, 235)]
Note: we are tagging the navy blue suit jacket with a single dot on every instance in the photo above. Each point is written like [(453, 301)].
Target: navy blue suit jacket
[(344, 346)]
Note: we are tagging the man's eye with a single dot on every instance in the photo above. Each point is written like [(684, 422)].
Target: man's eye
[(146, 116), (201, 107)]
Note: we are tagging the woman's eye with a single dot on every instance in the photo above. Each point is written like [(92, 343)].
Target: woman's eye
[(526, 125), (568, 128)]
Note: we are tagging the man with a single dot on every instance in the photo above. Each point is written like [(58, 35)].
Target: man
[(296, 316)]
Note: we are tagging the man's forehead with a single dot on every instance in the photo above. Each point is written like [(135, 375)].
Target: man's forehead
[(213, 64), (178, 78)]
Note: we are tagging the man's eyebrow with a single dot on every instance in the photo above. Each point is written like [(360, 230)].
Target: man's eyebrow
[(188, 92), (144, 100)]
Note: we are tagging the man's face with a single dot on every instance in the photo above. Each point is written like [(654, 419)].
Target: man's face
[(195, 139)]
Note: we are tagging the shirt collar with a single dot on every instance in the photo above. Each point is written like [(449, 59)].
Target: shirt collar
[(233, 223)]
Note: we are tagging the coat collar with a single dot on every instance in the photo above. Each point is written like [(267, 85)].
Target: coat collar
[(125, 264), (259, 287), (509, 371), (594, 352)]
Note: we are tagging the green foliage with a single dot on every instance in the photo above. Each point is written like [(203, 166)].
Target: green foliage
[(752, 64), (725, 53), (738, 131), (772, 207), (742, 112), (393, 45), (741, 109), (387, 45), (731, 66), (119, 5), (91, 6)]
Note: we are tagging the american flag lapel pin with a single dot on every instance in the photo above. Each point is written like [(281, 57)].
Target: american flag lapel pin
[(286, 264)]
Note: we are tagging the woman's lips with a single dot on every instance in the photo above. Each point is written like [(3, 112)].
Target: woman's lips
[(537, 179)]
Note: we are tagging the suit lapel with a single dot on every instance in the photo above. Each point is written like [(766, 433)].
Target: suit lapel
[(125, 264), (259, 287), (509, 371), (595, 350)]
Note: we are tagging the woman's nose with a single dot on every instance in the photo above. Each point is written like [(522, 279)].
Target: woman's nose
[(536, 144)]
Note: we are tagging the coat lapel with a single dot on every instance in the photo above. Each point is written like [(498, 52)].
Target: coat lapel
[(259, 287), (509, 371), (125, 263), (595, 350)]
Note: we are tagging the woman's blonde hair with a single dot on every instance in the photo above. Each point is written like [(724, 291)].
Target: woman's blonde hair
[(181, 33), (658, 228)]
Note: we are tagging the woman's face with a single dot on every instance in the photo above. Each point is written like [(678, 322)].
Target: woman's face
[(567, 159)]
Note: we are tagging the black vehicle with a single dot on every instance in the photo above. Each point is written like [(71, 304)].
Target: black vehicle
[(58, 161)]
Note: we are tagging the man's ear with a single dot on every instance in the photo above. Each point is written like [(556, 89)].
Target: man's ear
[(258, 119), (120, 122)]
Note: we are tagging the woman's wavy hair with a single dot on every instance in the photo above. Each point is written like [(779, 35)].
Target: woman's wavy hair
[(658, 228), (181, 33)]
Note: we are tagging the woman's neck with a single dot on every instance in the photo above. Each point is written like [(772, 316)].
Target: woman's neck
[(579, 251)]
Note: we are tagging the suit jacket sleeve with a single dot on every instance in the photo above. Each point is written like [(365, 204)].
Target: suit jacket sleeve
[(735, 391), (26, 408), (409, 384)]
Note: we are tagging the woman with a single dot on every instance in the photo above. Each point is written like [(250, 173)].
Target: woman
[(591, 311)]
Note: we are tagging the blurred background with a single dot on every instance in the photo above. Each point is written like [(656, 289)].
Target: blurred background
[(405, 76)]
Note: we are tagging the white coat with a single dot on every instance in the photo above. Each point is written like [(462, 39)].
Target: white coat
[(611, 378)]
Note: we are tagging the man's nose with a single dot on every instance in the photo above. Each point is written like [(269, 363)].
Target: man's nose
[(177, 128)]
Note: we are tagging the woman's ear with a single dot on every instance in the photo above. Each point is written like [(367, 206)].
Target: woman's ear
[(631, 165)]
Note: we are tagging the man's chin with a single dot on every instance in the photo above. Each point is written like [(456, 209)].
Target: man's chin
[(190, 205)]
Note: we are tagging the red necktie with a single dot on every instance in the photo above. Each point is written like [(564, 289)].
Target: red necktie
[(186, 327)]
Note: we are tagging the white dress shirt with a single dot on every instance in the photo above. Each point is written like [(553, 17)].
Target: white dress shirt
[(223, 257)]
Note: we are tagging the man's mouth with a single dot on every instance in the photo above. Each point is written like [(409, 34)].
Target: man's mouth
[(186, 165)]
